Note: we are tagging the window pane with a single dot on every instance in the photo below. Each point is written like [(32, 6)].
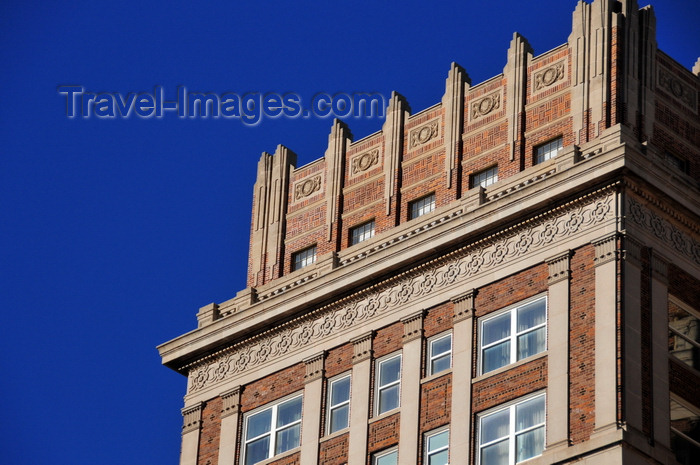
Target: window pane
[(441, 345), (438, 441), (289, 412), (532, 314), (339, 418), (389, 371), (257, 450), (529, 413), (389, 398), (496, 454), (496, 356), (531, 343), (440, 364), (259, 424), (340, 391), (439, 458), (530, 444), (495, 426), (388, 459), (287, 439), (496, 329)]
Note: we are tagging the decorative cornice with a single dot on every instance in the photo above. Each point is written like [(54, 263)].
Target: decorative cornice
[(485, 105), (559, 267), (424, 133), (659, 268), (413, 326), (463, 306), (445, 273), (549, 76), (192, 417), (314, 367), (305, 187), (659, 227), (363, 162), (362, 347), (231, 402), (605, 249)]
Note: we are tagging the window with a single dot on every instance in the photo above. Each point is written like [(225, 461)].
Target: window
[(272, 430), (437, 447), (421, 206), (361, 233), (512, 434), (484, 178), (388, 383), (513, 335), (683, 332), (549, 150), (303, 258), (685, 432), (676, 162), (338, 403), (385, 458), (439, 353)]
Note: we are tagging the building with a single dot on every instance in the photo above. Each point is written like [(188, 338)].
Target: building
[(510, 274)]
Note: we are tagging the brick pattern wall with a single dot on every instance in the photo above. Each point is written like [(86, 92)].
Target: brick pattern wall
[(582, 345), (273, 387), (294, 459), (209, 436), (383, 433), (334, 451), (435, 403)]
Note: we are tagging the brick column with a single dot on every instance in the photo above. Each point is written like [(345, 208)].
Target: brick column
[(359, 398), (558, 350), (230, 410), (192, 422), (410, 388), (605, 332), (632, 324), (659, 350), (311, 416), (460, 426)]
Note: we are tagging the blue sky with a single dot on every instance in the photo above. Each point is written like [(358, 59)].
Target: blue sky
[(115, 231)]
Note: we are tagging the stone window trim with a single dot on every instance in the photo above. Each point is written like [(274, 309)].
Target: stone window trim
[(512, 338), (434, 357), (547, 150), (431, 450), (274, 428), (303, 258), (387, 387), (362, 232), (331, 407), (386, 457), (421, 206), (484, 178), (513, 431)]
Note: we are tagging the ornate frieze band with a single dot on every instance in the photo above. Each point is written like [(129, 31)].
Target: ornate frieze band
[(363, 162), (305, 187), (679, 90), (192, 417), (673, 237), (549, 76), (424, 133), (485, 105), (442, 274)]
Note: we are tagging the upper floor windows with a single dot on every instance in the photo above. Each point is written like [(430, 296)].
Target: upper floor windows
[(512, 434), (439, 353), (484, 178), (677, 162), (684, 332), (271, 430), (388, 384), (549, 150), (421, 206), (513, 335), (338, 403), (361, 233), (303, 258), (390, 457), (437, 447)]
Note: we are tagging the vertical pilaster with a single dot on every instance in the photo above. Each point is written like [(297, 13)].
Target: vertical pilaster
[(558, 350), (396, 115), (410, 388), (192, 422), (311, 415), (230, 411), (460, 426), (632, 326), (519, 53), (659, 349), (453, 103), (605, 332), (338, 142), (359, 398)]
